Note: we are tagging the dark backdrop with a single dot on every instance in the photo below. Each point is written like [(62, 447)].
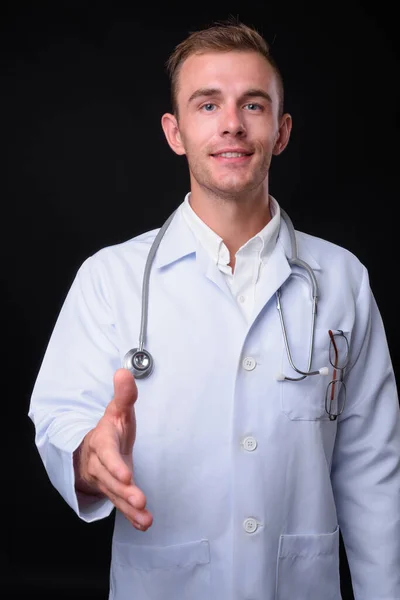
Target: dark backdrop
[(85, 165)]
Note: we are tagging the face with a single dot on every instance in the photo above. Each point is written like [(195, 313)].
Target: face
[(229, 125)]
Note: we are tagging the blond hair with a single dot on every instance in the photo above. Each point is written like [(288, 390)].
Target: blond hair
[(222, 36)]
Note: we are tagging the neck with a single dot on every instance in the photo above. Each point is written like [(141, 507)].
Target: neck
[(235, 219)]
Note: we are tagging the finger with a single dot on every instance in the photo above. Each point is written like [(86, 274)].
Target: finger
[(129, 499), (109, 456), (109, 485), (141, 519), (125, 391)]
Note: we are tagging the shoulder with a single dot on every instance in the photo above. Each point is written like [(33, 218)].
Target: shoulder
[(111, 266), (134, 249), (324, 250), (334, 260)]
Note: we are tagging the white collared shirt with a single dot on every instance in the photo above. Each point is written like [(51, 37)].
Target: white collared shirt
[(250, 258)]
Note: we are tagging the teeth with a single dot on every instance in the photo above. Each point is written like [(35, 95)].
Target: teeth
[(232, 154)]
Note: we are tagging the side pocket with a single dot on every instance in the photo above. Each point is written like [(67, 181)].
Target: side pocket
[(308, 567), (160, 572)]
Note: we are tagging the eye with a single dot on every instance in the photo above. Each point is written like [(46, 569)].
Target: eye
[(209, 107), (253, 107)]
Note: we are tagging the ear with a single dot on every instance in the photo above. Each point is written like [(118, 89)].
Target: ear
[(170, 127), (283, 136)]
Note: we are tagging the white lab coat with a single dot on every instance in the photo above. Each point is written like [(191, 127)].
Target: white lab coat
[(247, 479)]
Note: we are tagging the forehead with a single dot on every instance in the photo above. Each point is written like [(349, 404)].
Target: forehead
[(232, 72)]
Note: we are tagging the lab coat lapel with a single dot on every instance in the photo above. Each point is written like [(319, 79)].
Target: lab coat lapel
[(273, 275), (278, 269), (179, 242)]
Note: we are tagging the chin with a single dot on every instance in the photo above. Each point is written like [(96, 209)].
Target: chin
[(236, 187)]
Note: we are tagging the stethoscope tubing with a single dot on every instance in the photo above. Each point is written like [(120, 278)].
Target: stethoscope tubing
[(140, 362)]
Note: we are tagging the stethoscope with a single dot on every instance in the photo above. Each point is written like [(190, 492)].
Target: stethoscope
[(139, 360)]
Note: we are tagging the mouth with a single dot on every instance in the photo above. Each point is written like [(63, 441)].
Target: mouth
[(232, 156)]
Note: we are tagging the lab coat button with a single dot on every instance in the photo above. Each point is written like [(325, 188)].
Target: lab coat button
[(250, 525), (250, 443), (242, 299), (249, 363)]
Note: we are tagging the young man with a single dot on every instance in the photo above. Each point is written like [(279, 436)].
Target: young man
[(230, 482)]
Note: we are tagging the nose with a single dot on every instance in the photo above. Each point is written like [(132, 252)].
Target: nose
[(232, 122)]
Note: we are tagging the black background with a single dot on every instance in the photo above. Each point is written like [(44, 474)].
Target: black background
[(85, 165)]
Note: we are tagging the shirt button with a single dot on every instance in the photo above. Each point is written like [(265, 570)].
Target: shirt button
[(242, 299), (249, 363), (250, 525), (250, 443)]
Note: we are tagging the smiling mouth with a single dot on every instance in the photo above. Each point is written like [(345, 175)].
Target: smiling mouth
[(232, 154)]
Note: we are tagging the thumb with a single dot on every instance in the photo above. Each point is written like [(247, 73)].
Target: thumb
[(125, 392)]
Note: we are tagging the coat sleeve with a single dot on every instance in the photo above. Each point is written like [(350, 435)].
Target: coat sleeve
[(75, 383), (366, 459)]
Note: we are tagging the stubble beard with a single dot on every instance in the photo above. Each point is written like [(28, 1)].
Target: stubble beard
[(207, 181)]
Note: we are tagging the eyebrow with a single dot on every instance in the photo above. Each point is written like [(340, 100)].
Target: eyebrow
[(250, 93)]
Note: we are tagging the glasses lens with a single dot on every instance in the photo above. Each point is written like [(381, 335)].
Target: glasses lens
[(335, 397), (339, 351)]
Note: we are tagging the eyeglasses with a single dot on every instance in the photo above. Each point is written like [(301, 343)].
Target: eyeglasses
[(335, 397)]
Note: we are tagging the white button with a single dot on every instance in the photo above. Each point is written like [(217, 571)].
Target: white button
[(250, 443), (242, 299), (250, 525), (249, 363)]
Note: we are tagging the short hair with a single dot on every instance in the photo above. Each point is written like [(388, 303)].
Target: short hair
[(223, 36)]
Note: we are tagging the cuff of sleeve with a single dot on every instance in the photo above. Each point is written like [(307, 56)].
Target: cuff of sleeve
[(60, 469)]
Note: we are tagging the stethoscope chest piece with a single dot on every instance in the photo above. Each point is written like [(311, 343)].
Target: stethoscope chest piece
[(139, 362)]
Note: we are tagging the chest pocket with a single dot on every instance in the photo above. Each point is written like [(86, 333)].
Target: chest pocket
[(304, 400)]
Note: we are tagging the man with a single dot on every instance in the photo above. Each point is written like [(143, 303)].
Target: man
[(229, 481)]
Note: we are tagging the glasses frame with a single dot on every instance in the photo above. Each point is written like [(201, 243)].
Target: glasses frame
[(336, 369)]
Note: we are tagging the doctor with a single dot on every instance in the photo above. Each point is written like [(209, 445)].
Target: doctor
[(231, 472)]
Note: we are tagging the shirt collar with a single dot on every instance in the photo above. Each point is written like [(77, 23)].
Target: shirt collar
[(262, 243), (179, 240)]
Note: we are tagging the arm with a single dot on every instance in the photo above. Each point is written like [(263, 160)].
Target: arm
[(366, 460), (75, 384)]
